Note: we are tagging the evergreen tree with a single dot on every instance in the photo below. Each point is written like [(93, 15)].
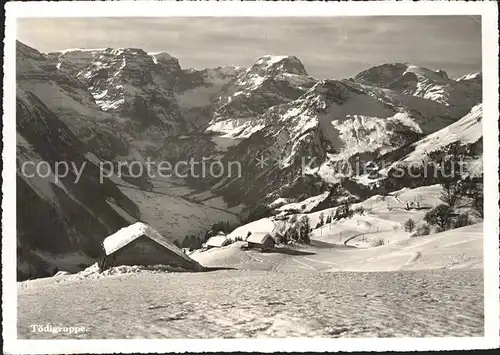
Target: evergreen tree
[(304, 230), (409, 225)]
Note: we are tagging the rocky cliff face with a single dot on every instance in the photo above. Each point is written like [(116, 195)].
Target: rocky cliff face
[(135, 88), (270, 81), (198, 91), (69, 215), (67, 97)]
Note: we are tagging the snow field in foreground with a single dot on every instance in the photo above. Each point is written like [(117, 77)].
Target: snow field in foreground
[(259, 304)]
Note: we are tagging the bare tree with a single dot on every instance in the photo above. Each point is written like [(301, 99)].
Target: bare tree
[(452, 193)]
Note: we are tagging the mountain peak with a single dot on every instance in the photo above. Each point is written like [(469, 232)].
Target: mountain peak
[(471, 77), (274, 64), (386, 74)]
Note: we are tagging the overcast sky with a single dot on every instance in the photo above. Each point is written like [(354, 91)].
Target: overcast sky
[(330, 47)]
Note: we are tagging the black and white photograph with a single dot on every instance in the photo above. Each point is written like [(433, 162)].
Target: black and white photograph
[(317, 175)]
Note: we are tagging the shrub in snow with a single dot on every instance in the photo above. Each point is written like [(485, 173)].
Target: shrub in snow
[(423, 229), (440, 217), (359, 210), (321, 219), (475, 192), (378, 242), (439, 229), (343, 212), (462, 220)]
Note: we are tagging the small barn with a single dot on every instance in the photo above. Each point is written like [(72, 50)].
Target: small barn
[(260, 240), (140, 244), (217, 241)]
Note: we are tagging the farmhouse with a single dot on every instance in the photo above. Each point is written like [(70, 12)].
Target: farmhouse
[(260, 240), (140, 244), (217, 241)]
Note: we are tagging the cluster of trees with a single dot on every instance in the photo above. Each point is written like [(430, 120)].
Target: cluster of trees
[(261, 211), (343, 211), (193, 242), (300, 231), (445, 216), (321, 221)]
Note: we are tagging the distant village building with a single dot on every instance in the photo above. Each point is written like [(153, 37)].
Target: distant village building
[(140, 244), (260, 240)]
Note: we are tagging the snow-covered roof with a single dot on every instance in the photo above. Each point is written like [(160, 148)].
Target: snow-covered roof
[(258, 238), (128, 234), (217, 241)]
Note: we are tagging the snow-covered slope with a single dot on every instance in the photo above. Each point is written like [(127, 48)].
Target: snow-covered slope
[(460, 142), (468, 130)]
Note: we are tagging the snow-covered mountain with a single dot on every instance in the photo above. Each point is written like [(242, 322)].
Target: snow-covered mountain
[(337, 126), (69, 99), (270, 81), (316, 136), (135, 87), (459, 95), (275, 108)]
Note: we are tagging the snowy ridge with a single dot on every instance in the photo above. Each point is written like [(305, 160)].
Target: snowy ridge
[(467, 130), (430, 84), (306, 205), (68, 50)]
